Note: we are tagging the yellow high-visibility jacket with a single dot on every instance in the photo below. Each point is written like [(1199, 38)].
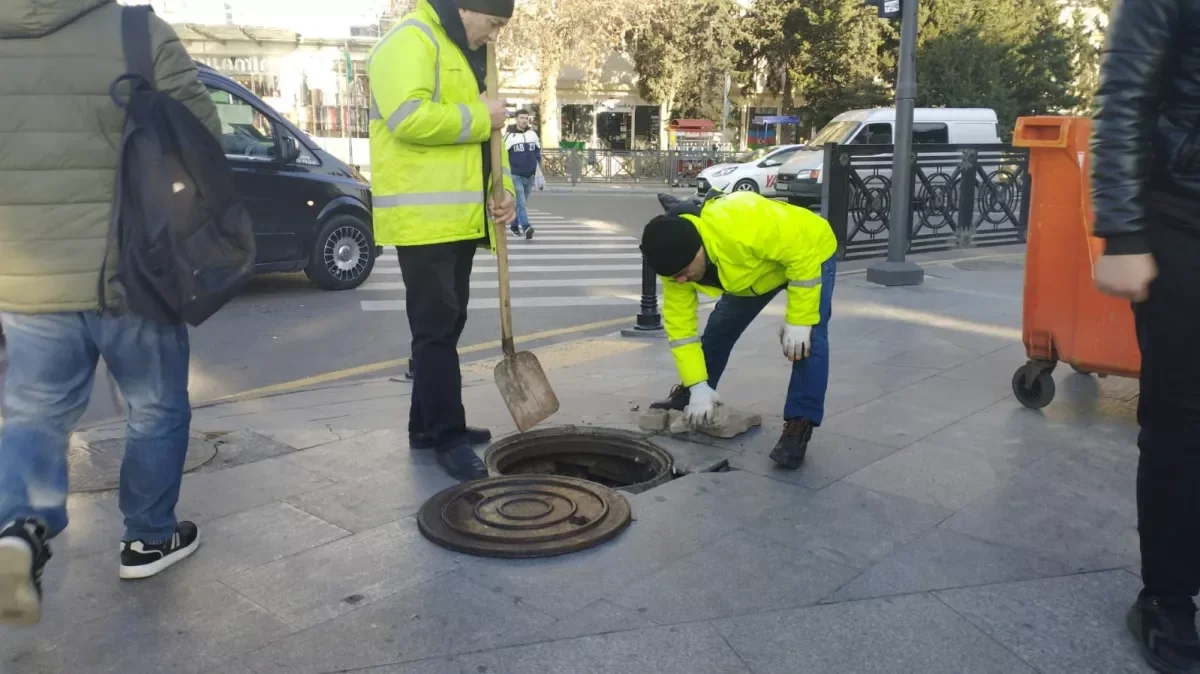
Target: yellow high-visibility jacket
[(427, 130), (758, 245)]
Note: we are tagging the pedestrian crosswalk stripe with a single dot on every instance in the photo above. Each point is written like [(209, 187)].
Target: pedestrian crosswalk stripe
[(529, 283), (531, 269), (520, 302)]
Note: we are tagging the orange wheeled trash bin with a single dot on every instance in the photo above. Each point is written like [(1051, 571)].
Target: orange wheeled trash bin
[(1066, 319)]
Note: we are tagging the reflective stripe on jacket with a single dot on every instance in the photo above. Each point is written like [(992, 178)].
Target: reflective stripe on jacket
[(758, 245), (428, 127)]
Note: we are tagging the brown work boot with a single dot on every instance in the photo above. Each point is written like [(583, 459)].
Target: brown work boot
[(678, 400), (793, 443)]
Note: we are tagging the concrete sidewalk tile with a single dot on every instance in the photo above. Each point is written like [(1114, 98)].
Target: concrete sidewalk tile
[(930, 473), (598, 618), (1067, 625), (208, 496), (342, 576), (891, 422), (1021, 436), (364, 504), (691, 457), (954, 396), (243, 447), (830, 458), (356, 458), (94, 523), (741, 573), (915, 633), (942, 354), (307, 439), (233, 668), (432, 666), (251, 539), (193, 630), (997, 366), (943, 559), (686, 649), (736, 495), (850, 525), (446, 616), (1046, 516)]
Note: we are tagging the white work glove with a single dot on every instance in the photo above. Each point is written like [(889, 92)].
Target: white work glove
[(702, 404), (796, 341)]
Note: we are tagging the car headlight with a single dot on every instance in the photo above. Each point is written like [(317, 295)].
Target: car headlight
[(814, 174), (724, 172)]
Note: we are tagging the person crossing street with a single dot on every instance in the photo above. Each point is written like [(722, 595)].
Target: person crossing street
[(525, 157), (746, 249), (430, 128)]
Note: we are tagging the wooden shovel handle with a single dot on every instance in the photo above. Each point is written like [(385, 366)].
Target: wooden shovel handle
[(498, 195)]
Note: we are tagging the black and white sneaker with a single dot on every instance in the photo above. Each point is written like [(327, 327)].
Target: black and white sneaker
[(143, 560), (23, 557), (529, 234)]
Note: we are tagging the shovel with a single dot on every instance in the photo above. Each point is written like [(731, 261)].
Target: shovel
[(520, 377)]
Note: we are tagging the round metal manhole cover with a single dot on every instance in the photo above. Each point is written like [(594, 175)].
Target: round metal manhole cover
[(989, 265), (96, 465), (524, 516)]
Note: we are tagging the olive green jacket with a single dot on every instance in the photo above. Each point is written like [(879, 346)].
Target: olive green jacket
[(59, 133)]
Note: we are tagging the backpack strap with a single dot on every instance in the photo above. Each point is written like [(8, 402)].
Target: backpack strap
[(135, 37)]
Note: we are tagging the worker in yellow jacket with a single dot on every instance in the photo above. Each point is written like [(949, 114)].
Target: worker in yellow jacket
[(431, 170), (746, 249)]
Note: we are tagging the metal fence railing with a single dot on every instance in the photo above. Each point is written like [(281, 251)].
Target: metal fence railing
[(672, 168), (963, 196)]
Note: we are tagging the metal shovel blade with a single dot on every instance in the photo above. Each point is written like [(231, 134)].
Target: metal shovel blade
[(525, 390)]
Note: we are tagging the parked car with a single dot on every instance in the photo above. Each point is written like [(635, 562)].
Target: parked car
[(800, 178), (752, 172), (311, 211)]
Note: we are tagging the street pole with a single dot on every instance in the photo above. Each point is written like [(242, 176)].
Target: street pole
[(896, 271), (649, 320), (725, 114)]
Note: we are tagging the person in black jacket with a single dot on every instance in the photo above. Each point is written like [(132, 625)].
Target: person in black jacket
[(1146, 194)]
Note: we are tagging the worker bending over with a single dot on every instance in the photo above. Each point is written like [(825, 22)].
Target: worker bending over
[(745, 249)]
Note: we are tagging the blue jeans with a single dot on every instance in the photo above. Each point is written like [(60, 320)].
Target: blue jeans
[(52, 364), (810, 376), (524, 187)]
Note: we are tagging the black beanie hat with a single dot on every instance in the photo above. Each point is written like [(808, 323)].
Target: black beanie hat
[(500, 8), (670, 243)]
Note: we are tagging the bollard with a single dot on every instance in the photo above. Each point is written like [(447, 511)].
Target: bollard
[(649, 321)]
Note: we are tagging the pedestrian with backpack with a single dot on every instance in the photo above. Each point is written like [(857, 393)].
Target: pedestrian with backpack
[(70, 293)]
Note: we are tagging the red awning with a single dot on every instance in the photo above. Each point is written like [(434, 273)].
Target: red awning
[(700, 125)]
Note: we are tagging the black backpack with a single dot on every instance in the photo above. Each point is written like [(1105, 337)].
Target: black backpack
[(185, 241)]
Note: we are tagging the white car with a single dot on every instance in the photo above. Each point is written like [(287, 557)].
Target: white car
[(754, 172)]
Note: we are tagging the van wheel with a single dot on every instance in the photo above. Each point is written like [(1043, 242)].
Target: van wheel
[(745, 185), (343, 254)]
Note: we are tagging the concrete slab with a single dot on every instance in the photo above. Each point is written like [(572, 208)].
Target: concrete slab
[(1067, 625), (359, 505), (191, 630), (686, 649), (242, 447), (739, 574), (830, 458), (209, 496), (915, 633), (942, 476), (446, 616), (356, 458), (850, 525), (345, 575), (943, 559), (601, 617)]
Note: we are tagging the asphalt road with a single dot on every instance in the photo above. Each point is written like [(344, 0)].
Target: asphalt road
[(583, 267)]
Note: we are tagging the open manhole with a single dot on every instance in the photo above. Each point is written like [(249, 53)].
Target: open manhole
[(524, 516), (614, 458)]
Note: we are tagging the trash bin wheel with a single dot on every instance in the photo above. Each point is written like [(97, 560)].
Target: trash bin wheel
[(1033, 393)]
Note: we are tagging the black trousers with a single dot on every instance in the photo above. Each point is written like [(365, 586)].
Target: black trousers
[(1168, 481), (437, 287)]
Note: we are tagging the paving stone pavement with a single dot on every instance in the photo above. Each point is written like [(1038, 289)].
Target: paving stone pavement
[(937, 526)]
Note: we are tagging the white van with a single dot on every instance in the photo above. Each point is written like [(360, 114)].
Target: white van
[(800, 178)]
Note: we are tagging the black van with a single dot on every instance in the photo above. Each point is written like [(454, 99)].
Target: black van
[(311, 211)]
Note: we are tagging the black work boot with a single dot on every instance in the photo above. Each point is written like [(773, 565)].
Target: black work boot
[(793, 443), (1165, 628), (474, 436), (461, 462), (678, 400)]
